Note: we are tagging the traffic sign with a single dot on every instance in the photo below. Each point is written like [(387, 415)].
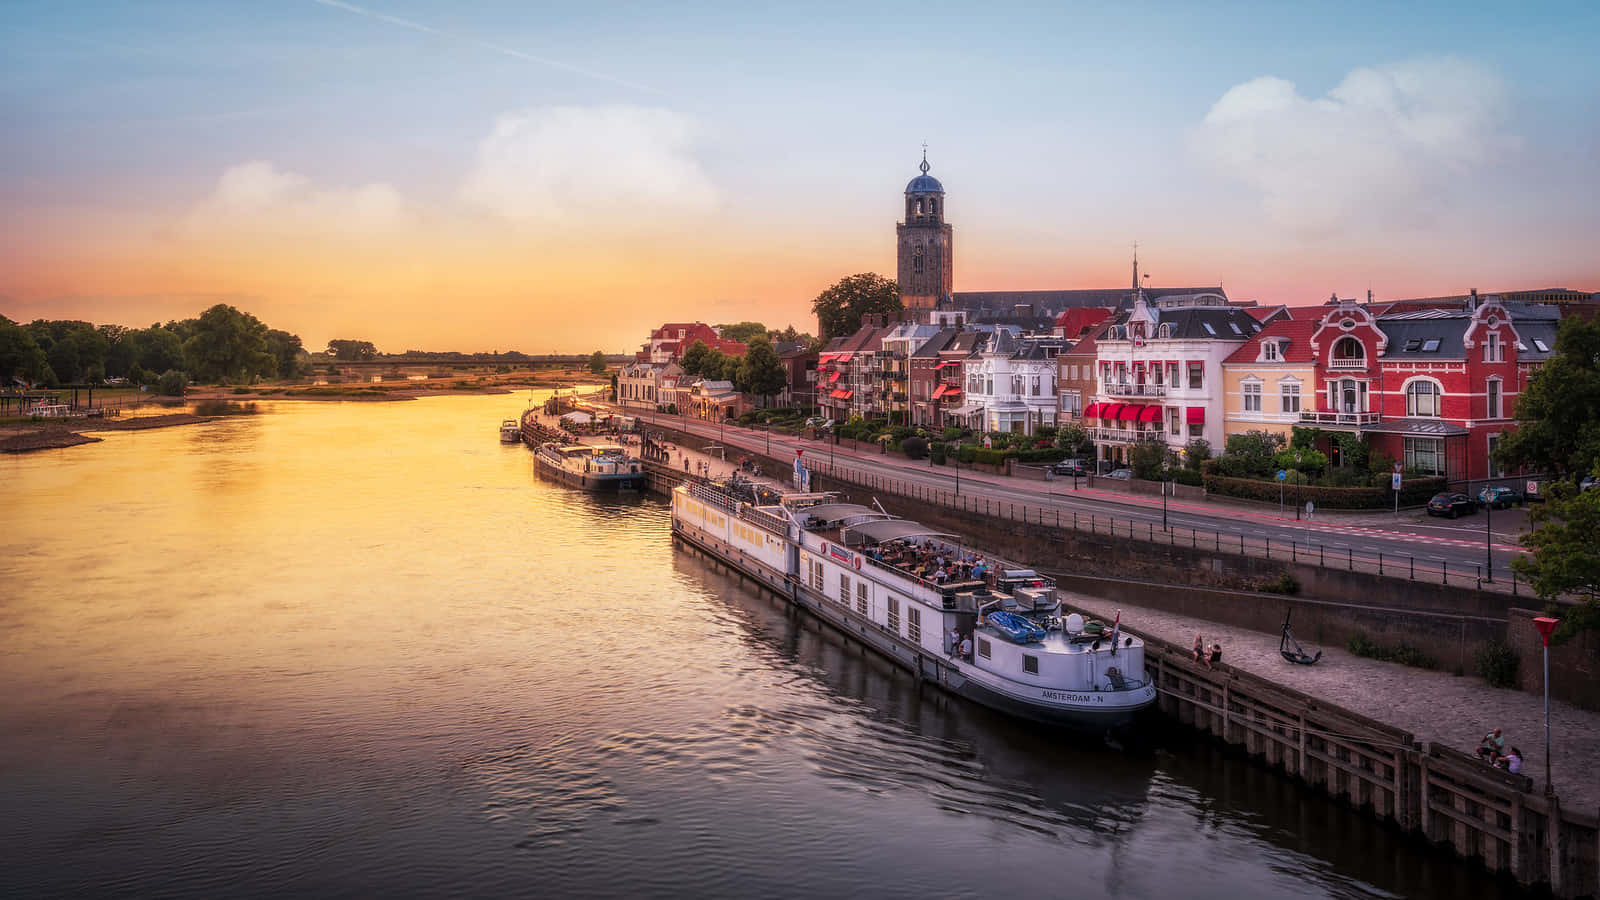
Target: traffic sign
[(1397, 468), (1282, 474), (1394, 481)]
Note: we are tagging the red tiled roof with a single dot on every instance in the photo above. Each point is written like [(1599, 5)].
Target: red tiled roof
[(1298, 331), (1074, 320)]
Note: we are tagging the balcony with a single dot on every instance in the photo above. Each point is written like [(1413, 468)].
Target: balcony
[(1339, 418), (1124, 435), (1117, 389), (1349, 364)]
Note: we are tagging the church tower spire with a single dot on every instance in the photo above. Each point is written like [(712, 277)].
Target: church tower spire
[(924, 253)]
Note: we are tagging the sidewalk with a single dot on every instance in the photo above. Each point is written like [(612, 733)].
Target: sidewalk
[(1434, 706)]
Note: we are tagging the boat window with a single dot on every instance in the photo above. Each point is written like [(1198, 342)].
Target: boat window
[(1030, 664), (894, 614), (914, 623), (844, 589), (983, 647), (861, 597)]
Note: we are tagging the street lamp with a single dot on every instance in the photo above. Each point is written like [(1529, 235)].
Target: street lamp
[(1166, 470), (1488, 536), (1546, 625)]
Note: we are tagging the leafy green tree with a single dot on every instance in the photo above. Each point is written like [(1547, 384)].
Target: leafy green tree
[(693, 359), (743, 332), (597, 362), (1195, 453), (157, 349), (74, 349), (762, 373), (1310, 461), (352, 351), (172, 383), (20, 355), (1147, 459), (1074, 439), (1558, 413), (228, 344), (1566, 553), (287, 353), (119, 348), (839, 308), (1249, 453)]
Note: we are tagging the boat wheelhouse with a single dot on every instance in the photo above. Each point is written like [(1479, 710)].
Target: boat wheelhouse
[(510, 431), (592, 467), (973, 624)]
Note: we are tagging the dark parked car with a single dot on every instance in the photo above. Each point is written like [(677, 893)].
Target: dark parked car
[(1451, 504), (1069, 467), (1499, 497)]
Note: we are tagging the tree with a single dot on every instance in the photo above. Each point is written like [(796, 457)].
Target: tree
[(1147, 459), (351, 351), (74, 349), (228, 344), (1310, 461), (285, 350), (597, 362), (839, 308), (1249, 453), (1566, 553), (20, 355), (1196, 452), (157, 349), (694, 358), (1558, 413), (761, 371), (743, 332), (1074, 439)]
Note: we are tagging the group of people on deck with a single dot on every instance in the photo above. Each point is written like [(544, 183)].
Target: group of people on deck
[(935, 562), (1492, 749)]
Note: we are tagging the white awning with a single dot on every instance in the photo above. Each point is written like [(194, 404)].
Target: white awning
[(966, 409)]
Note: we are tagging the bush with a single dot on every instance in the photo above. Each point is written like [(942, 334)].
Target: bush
[(172, 383), (1497, 663), (937, 452), (1402, 653), (967, 453), (1188, 476), (990, 457), (952, 434), (914, 447), (1147, 458), (1286, 584), (1196, 453)]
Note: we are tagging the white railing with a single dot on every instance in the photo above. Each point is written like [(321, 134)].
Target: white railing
[(1359, 362), (1340, 418), (1126, 435), (1136, 390)]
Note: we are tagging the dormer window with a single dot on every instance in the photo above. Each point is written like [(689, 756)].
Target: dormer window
[(1543, 347), (1209, 330), (1269, 351), (1165, 330), (1235, 327)]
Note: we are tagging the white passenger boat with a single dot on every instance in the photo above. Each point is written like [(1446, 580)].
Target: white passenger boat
[(922, 600), (510, 431), (592, 467)]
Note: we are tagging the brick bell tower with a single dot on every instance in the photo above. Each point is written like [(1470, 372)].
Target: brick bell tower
[(924, 268)]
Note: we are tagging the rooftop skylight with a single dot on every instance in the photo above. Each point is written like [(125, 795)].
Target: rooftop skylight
[(1430, 345)]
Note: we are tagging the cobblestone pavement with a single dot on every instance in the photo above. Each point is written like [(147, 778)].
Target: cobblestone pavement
[(1434, 706)]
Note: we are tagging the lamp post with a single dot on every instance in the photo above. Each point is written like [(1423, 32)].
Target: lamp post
[(1166, 469), (1488, 537), (1546, 625)]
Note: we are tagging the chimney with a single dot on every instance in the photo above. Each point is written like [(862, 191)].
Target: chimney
[(1472, 300)]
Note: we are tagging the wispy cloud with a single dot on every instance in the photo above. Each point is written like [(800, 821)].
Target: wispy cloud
[(1387, 146), (486, 45), (259, 198)]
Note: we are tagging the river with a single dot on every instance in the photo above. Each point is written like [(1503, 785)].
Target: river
[(350, 649)]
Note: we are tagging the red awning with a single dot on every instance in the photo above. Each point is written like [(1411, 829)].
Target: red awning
[(939, 391), (833, 377), (1110, 410), (846, 395), (953, 390), (1197, 415), (1130, 413), (1092, 412), (1150, 414), (948, 362)]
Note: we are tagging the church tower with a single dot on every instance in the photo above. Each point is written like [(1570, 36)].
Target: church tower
[(924, 268)]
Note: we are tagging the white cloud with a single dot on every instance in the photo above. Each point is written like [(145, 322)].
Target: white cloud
[(612, 164), (259, 197), (1388, 144)]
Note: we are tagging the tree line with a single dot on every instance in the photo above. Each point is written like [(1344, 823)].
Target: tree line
[(222, 344)]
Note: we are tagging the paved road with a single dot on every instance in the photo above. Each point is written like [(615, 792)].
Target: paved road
[(1407, 543)]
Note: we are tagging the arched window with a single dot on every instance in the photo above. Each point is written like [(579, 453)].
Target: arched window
[(933, 206), (917, 259), (1349, 349), (919, 207), (1165, 330), (1422, 399)]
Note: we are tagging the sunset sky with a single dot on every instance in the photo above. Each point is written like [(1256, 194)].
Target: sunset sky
[(561, 177)]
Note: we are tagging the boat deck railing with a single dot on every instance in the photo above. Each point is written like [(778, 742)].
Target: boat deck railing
[(763, 519)]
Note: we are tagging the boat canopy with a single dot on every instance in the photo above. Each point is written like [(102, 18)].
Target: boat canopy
[(888, 530), (840, 512)]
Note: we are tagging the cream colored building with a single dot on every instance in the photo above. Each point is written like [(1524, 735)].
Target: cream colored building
[(1270, 380)]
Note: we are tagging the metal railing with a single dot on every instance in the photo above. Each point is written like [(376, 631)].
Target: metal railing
[(1136, 390), (1340, 418), (1126, 435)]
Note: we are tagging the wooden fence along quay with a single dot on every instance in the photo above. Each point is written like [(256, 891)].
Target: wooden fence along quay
[(1447, 797)]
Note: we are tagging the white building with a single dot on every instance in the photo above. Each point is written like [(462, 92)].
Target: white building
[(1012, 382)]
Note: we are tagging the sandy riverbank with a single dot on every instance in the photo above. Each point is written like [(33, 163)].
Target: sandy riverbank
[(29, 436)]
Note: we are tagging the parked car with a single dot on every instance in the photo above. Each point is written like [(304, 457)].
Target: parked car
[(1120, 474), (1452, 504), (819, 422), (1499, 497), (1588, 483), (1069, 467)]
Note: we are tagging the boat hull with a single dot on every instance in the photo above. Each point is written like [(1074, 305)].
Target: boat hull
[(589, 481), (1087, 712)]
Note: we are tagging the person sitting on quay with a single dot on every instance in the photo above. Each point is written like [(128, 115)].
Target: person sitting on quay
[(1492, 747), (1214, 657), (1511, 762), (1199, 650)]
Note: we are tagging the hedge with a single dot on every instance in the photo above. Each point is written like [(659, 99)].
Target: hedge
[(1413, 492)]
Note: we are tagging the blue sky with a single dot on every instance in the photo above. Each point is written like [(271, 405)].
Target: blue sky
[(720, 157)]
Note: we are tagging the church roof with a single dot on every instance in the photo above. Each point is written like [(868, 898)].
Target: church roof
[(924, 184)]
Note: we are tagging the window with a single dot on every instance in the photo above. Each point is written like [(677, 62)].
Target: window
[(1209, 330), (1426, 455), (816, 577), (1414, 344), (1422, 399), (1172, 418), (983, 647), (1235, 327), (861, 597), (1197, 431), (1035, 385), (1269, 351), (1494, 398), (1165, 330), (844, 589), (1349, 348), (988, 385), (1493, 352), (1495, 469), (894, 614), (914, 623), (1072, 402), (1196, 370), (1430, 345), (1030, 663), (1543, 347), (1252, 397), (1290, 394)]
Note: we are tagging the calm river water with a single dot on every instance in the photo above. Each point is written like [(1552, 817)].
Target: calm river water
[(359, 649)]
